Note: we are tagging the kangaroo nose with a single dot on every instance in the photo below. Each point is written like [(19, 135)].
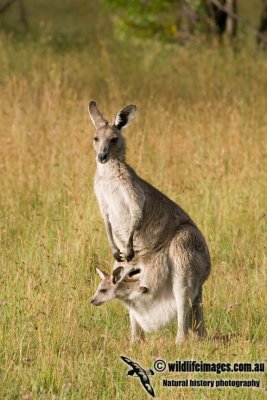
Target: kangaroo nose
[(96, 302), (103, 157)]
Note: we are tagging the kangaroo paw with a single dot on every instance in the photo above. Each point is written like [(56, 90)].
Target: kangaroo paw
[(130, 255), (118, 256)]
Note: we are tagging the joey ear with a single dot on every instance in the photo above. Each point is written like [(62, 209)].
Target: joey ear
[(103, 275), (95, 115), (117, 274), (120, 273), (124, 116)]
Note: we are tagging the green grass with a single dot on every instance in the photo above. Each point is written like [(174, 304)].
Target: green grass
[(199, 136)]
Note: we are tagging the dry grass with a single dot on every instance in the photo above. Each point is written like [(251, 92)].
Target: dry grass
[(200, 137)]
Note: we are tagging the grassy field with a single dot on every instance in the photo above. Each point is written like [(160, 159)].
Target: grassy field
[(199, 136)]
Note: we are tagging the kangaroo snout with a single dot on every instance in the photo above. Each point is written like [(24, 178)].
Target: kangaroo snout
[(95, 302), (103, 158)]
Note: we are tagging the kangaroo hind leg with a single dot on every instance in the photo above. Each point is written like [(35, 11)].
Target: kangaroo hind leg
[(196, 316)]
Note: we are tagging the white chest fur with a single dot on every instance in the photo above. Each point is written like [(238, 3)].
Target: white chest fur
[(114, 205), (153, 315)]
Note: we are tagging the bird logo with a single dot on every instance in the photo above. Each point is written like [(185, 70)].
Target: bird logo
[(141, 373)]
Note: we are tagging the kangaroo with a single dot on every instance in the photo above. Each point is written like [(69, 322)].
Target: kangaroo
[(141, 222), (148, 312)]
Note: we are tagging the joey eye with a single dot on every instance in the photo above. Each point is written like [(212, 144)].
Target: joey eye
[(103, 290), (114, 140), (95, 139)]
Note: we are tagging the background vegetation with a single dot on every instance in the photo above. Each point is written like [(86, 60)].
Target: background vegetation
[(199, 136)]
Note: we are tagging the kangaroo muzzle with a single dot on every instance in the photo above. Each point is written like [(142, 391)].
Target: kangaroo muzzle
[(103, 157), (96, 302)]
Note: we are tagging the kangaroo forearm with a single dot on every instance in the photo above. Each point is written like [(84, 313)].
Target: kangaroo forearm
[(110, 235), (135, 224)]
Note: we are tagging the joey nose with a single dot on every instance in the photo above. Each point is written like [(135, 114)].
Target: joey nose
[(96, 302)]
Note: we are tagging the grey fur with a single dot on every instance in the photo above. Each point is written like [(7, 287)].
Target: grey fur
[(144, 224)]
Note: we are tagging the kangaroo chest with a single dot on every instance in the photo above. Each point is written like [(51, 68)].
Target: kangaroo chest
[(113, 201)]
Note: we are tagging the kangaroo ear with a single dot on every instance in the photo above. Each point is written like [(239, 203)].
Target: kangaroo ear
[(95, 115), (103, 275), (124, 116), (117, 274), (121, 273)]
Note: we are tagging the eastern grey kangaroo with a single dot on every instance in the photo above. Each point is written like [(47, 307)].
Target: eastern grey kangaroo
[(142, 223)]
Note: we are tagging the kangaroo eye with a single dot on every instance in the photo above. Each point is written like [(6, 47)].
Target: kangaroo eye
[(114, 140), (96, 139), (103, 290)]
